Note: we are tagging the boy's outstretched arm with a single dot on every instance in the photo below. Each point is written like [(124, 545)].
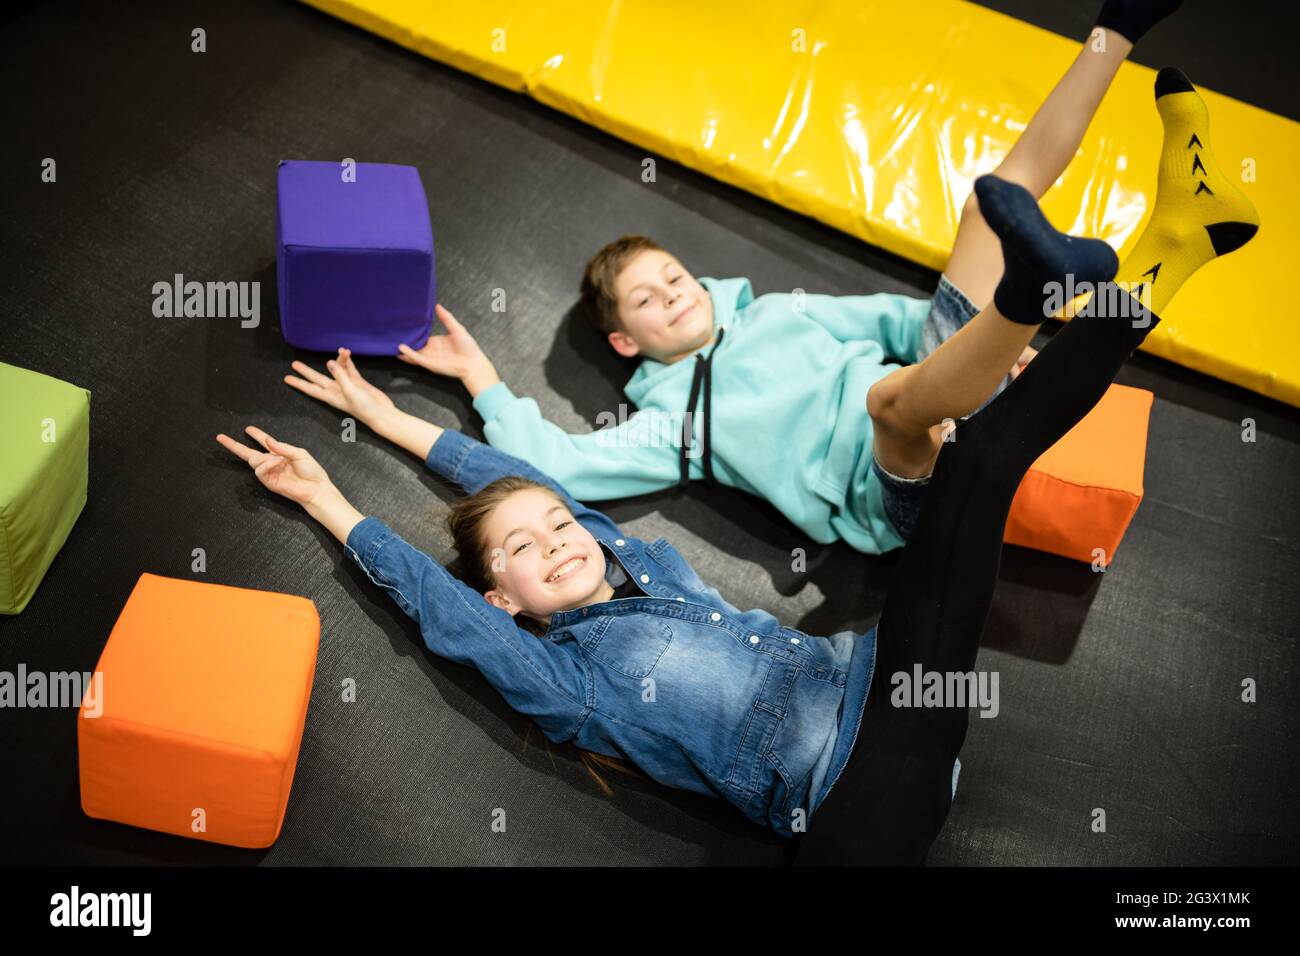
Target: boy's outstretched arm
[(637, 456), (631, 454)]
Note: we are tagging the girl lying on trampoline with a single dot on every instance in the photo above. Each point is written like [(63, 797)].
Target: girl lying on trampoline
[(628, 653)]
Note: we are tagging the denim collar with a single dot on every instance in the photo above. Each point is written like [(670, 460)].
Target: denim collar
[(629, 562)]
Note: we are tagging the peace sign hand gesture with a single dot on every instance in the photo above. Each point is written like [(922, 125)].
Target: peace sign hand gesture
[(284, 469)]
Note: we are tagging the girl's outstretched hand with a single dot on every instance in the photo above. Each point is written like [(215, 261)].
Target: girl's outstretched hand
[(346, 390), (285, 469)]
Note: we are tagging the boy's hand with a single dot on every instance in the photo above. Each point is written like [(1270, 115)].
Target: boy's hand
[(1025, 357), (285, 469), (455, 354), (347, 390)]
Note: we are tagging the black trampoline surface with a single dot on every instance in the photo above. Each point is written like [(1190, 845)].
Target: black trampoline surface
[(1119, 691)]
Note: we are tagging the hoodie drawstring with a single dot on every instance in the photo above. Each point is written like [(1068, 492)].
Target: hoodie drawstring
[(703, 376)]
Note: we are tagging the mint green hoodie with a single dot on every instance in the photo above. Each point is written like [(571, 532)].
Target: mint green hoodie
[(789, 409)]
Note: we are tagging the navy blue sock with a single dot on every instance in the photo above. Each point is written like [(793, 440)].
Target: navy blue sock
[(1035, 253), (1132, 18)]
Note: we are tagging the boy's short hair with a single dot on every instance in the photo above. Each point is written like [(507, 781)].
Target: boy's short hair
[(599, 303)]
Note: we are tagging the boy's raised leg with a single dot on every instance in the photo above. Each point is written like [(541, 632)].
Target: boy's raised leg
[(1199, 214), (1043, 151), (1019, 307), (909, 406), (1037, 159)]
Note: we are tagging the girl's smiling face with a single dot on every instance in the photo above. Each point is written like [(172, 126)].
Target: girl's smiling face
[(542, 559), (665, 314)]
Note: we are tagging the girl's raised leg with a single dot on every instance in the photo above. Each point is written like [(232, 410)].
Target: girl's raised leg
[(893, 796), (897, 794), (1036, 161)]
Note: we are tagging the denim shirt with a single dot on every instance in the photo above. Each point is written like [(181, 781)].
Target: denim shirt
[(698, 694)]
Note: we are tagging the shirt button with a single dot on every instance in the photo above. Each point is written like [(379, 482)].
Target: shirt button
[(645, 579), (716, 616), (680, 598), (619, 542), (753, 638), (794, 640)]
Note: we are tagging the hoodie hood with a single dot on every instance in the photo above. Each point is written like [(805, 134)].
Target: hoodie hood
[(729, 298)]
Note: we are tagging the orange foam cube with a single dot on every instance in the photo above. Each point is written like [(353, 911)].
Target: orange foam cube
[(203, 698), (1078, 498)]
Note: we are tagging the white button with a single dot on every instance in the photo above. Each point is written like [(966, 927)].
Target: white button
[(619, 542), (753, 638), (716, 616), (645, 579), (794, 640), (681, 599)]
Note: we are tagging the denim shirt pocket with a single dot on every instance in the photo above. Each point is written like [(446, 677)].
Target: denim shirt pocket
[(629, 645), (656, 547)]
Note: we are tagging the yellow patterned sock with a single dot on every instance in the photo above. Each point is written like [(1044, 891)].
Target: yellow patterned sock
[(1199, 214)]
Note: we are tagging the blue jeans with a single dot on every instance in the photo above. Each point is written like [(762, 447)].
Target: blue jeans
[(950, 309)]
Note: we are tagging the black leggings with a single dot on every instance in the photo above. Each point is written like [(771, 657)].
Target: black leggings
[(892, 798)]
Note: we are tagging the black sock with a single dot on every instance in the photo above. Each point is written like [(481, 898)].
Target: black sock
[(1035, 253), (1132, 18)]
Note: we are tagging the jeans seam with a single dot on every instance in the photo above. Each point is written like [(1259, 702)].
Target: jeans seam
[(857, 728)]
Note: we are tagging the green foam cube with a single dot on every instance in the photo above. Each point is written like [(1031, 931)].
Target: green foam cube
[(44, 466)]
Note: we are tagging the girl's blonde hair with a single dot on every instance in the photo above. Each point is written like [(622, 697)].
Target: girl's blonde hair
[(467, 523)]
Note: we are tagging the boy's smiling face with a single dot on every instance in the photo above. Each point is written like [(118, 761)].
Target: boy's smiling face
[(665, 314), (543, 560)]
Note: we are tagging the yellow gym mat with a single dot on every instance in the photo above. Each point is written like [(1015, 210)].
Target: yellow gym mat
[(876, 118)]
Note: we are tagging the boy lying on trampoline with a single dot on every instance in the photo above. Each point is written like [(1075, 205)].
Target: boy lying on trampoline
[(790, 396), (617, 645)]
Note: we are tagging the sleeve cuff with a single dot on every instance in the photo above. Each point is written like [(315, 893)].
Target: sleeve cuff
[(448, 453), (492, 400), (365, 540)]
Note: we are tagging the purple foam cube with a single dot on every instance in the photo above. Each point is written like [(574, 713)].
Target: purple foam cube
[(355, 259)]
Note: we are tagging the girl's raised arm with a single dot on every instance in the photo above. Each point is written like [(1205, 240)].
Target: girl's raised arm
[(293, 473), (542, 679), (465, 462), (546, 680), (347, 390)]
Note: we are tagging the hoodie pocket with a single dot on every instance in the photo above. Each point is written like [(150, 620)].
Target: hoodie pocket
[(850, 437)]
